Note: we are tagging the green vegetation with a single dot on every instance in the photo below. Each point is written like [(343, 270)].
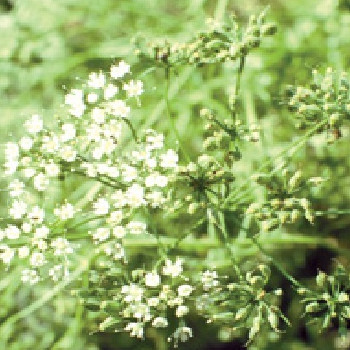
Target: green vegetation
[(175, 174)]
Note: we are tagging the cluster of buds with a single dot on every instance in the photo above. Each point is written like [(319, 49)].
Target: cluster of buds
[(281, 205), (329, 304), (221, 134), (327, 100), (219, 43), (203, 177), (244, 304)]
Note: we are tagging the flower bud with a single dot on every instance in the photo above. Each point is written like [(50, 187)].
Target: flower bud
[(268, 29), (294, 180), (321, 279), (312, 307), (241, 313), (334, 120), (270, 225), (295, 215), (273, 319), (343, 297)]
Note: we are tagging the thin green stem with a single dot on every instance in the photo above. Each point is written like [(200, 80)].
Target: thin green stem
[(132, 129), (168, 110), (277, 265), (333, 212), (238, 86)]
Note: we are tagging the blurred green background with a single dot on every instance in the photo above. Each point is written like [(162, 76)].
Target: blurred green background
[(47, 46)]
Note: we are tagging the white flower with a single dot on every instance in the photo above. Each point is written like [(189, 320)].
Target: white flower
[(75, 99), (169, 159), (172, 269), (155, 141), (90, 169), (110, 91), (101, 207), (156, 179), (133, 88), (101, 234), (96, 80), (120, 70), (97, 153), (30, 276), (18, 209), (141, 311), (76, 96), (28, 172), (16, 188), (11, 151), (113, 129), (34, 125), (41, 182), (118, 108), (102, 168), (93, 132), (65, 212), (23, 252), (68, 132), (41, 232), (50, 144), (56, 272), (98, 115), (182, 334), (115, 217), (61, 246), (68, 153), (184, 290), (52, 169), (153, 302), (152, 279), (181, 311), (12, 232), (129, 173), (133, 293), (119, 197), (36, 215), (40, 244), (107, 145), (92, 97), (113, 171), (175, 301), (135, 196), (26, 143), (37, 259), (156, 199), (119, 231), (160, 322), (6, 254), (135, 329), (26, 227), (115, 250), (136, 227), (11, 167)]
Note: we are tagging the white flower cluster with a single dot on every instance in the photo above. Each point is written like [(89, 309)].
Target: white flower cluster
[(88, 142), (151, 297), (154, 298), (33, 238)]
